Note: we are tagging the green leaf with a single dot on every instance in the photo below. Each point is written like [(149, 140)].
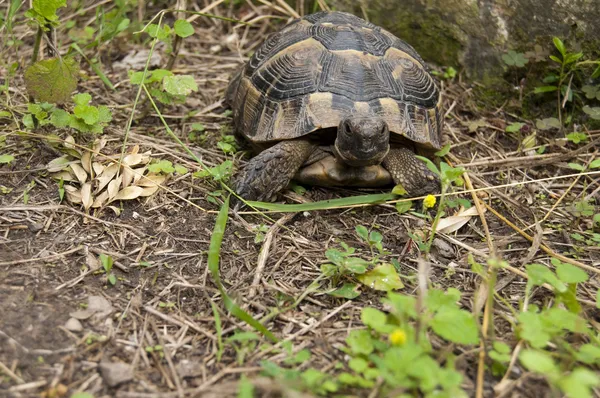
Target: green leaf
[(444, 151), (245, 388), (106, 261), (559, 46), (362, 231), (514, 127), (591, 92), (112, 279), (324, 204), (589, 354), (544, 89), (598, 299), (60, 118), (532, 329), (570, 58), (179, 84), (82, 395), (179, 169), (48, 8), (82, 99), (52, 80), (162, 166), (374, 318), (183, 28), (438, 300), (548, 123), (360, 342), (571, 274), (540, 274), (538, 361), (579, 383), (383, 277), (89, 114), (595, 164), (28, 121), (348, 291), (161, 33), (355, 265), (577, 137), (594, 112), (577, 166), (214, 254), (358, 364), (513, 58), (6, 159), (399, 190), (456, 325), (403, 207)]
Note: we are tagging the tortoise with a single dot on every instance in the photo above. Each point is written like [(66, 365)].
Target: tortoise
[(333, 100)]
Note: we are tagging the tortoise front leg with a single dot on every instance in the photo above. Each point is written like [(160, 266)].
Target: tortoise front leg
[(271, 170), (410, 172)]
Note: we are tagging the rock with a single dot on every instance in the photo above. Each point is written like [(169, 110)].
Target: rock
[(115, 373), (475, 34), (188, 369), (73, 325), (443, 248)]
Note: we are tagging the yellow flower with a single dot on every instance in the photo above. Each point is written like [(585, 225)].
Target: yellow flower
[(398, 337), (429, 201)]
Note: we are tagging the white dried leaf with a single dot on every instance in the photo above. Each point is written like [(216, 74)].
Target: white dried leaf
[(135, 149), (99, 144), (92, 261), (128, 193), (133, 159), (86, 162), (69, 142), (98, 168), (65, 175), (113, 188), (149, 191), (127, 177), (115, 209), (79, 172), (454, 223), (100, 200), (73, 194), (86, 195), (58, 164), (106, 176), (151, 180), (138, 174)]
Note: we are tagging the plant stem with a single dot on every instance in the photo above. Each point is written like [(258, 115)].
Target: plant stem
[(436, 220), (36, 45)]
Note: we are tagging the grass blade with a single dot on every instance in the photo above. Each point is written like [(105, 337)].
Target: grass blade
[(219, 330), (214, 254), (95, 67), (326, 204)]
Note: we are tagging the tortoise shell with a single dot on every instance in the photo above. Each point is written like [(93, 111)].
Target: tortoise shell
[(326, 66)]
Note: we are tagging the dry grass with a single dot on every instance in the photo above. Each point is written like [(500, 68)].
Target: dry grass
[(48, 250)]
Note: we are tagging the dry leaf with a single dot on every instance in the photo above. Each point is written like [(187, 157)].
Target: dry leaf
[(138, 174), (65, 175), (86, 162), (107, 175), (113, 188), (73, 194), (133, 159), (128, 193), (69, 142), (99, 144), (135, 149), (58, 164), (98, 168), (127, 177), (149, 191), (86, 195), (100, 200), (79, 172), (454, 223), (152, 180)]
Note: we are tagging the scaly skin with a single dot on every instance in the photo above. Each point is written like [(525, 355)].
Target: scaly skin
[(271, 170), (410, 172)]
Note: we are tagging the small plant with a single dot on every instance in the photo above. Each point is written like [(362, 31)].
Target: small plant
[(165, 86), (107, 264), (345, 266), (513, 58), (85, 118)]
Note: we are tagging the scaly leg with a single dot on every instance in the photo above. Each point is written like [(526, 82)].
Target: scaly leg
[(410, 172), (271, 170)]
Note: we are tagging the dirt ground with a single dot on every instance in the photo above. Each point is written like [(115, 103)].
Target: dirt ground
[(162, 297)]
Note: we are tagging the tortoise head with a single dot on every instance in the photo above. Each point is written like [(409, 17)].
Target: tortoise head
[(362, 141)]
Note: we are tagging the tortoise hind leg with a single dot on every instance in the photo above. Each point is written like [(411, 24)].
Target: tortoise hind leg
[(410, 172), (271, 170)]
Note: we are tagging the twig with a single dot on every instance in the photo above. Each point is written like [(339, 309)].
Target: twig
[(264, 252), (47, 258)]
